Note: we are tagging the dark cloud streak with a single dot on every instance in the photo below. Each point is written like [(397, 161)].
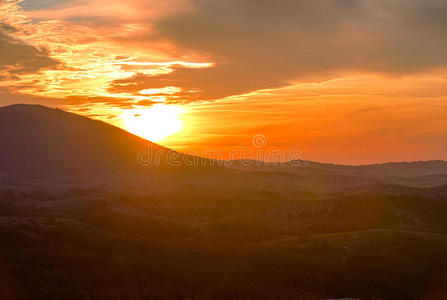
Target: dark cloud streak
[(17, 57)]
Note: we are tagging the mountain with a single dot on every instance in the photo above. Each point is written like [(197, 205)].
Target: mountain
[(417, 173), (404, 169), (400, 169), (35, 139)]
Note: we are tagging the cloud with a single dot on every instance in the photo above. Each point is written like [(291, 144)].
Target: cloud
[(7, 28), (94, 46), (254, 44), (41, 4), (106, 10), (17, 57), (200, 84), (260, 44)]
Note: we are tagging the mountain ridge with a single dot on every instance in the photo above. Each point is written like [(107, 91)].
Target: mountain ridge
[(37, 139)]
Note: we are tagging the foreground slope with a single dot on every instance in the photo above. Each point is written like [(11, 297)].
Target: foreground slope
[(244, 237)]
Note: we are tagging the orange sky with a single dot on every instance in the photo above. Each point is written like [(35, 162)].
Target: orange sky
[(338, 81)]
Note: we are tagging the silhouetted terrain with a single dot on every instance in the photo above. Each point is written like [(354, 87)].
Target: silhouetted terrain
[(80, 218), (39, 140)]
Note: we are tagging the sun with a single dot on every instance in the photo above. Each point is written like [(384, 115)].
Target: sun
[(155, 123)]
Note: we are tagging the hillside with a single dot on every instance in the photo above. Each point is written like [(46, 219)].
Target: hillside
[(36, 139)]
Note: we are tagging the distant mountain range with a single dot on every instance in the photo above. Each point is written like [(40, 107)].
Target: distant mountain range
[(418, 173), (415, 168)]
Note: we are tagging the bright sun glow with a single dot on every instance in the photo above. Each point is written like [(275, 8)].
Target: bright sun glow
[(155, 123)]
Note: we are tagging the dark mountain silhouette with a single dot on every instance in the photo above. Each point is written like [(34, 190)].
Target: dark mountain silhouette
[(36, 139)]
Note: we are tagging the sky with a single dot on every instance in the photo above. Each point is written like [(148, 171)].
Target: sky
[(341, 81)]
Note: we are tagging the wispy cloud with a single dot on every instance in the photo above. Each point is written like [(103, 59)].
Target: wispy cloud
[(92, 52)]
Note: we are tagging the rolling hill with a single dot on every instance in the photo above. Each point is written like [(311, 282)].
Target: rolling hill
[(35, 139)]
